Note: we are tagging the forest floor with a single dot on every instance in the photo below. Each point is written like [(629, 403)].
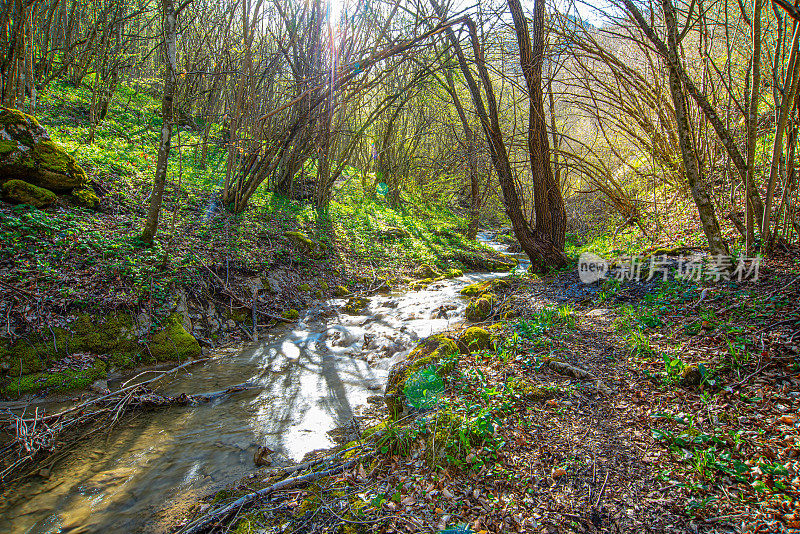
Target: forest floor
[(697, 431)]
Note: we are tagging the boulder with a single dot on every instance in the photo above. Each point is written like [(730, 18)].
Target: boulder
[(305, 243), (480, 308), (19, 192), (426, 271), (27, 153), (474, 339)]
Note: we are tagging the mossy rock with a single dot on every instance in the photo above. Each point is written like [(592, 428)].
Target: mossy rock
[(421, 284), (394, 233), (85, 198), (426, 271), (692, 375), (20, 192), (304, 243), (341, 291), (113, 336), (474, 339), (431, 351), (453, 273), (291, 315), (355, 305), (479, 309), (323, 285), (27, 153), (173, 342), (304, 287), (55, 381), (479, 288)]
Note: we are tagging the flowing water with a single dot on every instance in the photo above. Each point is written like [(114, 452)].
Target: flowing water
[(311, 377)]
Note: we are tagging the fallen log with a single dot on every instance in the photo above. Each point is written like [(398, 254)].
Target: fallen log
[(576, 372)]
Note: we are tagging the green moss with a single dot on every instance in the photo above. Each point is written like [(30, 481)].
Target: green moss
[(474, 339), (51, 157), (173, 342), (55, 381), (426, 271), (85, 197), (7, 146), (305, 243), (479, 288), (21, 192), (323, 285), (304, 287), (479, 309), (371, 431), (341, 291), (292, 314), (9, 116), (354, 305)]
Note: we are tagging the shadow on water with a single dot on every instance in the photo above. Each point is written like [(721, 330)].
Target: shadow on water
[(315, 376)]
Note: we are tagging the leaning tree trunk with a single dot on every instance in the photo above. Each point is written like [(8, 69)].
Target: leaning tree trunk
[(702, 199), (170, 36)]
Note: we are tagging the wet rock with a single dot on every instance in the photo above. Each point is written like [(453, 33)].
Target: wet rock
[(263, 456), (100, 386)]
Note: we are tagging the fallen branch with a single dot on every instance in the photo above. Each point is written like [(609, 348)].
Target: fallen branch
[(576, 372), (209, 517)]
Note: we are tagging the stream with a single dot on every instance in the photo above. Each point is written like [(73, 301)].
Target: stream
[(311, 377)]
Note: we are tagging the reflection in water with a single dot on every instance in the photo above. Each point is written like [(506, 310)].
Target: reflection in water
[(312, 378)]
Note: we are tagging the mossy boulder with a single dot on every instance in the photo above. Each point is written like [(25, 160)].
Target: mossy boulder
[(85, 198), (341, 291), (479, 309), (479, 288), (304, 287), (27, 153), (57, 380), (474, 339), (173, 342), (20, 192), (304, 243), (355, 305), (394, 232), (434, 350), (426, 271)]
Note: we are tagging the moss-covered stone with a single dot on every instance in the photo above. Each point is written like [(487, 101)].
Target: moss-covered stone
[(355, 305), (173, 342), (434, 350), (55, 381), (479, 288), (85, 197), (426, 271), (304, 287), (474, 339), (20, 192), (27, 153), (304, 243), (113, 336), (479, 309), (341, 291), (291, 315), (323, 285)]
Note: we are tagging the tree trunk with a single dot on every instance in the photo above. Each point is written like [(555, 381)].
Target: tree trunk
[(752, 120), (790, 89), (705, 206), (170, 36)]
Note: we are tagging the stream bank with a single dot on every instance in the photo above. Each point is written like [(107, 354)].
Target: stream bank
[(312, 376)]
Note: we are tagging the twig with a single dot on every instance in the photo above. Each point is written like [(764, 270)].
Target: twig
[(201, 523)]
